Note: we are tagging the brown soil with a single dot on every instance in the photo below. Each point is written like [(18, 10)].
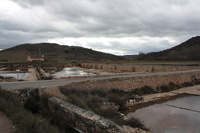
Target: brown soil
[(6, 125)]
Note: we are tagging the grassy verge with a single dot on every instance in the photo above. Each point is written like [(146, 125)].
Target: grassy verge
[(24, 120)]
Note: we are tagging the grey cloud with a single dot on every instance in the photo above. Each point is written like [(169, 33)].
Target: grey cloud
[(29, 3), (12, 38), (176, 19), (137, 18), (130, 47)]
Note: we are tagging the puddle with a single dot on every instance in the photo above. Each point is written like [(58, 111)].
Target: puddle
[(13, 74), (177, 116), (71, 72)]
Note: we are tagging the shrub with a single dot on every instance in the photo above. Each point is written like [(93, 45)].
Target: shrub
[(79, 93), (136, 123), (55, 117), (98, 92), (74, 99), (32, 103), (118, 91), (110, 113), (187, 84), (94, 102), (10, 97), (117, 99), (165, 88), (144, 90)]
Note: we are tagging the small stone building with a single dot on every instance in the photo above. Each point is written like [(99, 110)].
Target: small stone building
[(34, 58)]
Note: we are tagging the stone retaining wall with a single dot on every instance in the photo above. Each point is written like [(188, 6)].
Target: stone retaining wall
[(82, 119), (25, 94), (136, 68), (43, 73), (130, 83)]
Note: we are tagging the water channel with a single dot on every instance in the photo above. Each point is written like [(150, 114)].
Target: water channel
[(177, 116), (71, 72)]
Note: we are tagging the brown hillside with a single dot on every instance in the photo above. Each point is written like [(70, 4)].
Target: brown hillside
[(186, 51), (54, 52)]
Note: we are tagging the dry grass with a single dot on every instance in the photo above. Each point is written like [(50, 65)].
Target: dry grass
[(54, 91), (14, 56)]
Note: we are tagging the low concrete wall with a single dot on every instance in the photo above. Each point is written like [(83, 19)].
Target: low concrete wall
[(136, 68), (82, 119), (129, 83)]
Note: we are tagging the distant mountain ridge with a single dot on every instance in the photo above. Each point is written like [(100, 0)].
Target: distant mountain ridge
[(186, 51), (52, 51), (130, 57)]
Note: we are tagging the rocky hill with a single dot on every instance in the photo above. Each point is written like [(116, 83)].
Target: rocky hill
[(186, 51), (54, 52)]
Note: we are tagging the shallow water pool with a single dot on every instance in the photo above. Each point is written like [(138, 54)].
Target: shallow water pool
[(22, 76), (177, 116), (71, 72)]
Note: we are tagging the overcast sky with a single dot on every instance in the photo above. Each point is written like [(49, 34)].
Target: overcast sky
[(112, 26)]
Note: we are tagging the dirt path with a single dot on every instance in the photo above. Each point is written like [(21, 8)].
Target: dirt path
[(32, 74), (6, 125)]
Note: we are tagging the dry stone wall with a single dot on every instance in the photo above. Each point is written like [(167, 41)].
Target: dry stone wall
[(131, 83), (43, 73), (136, 68), (24, 94), (84, 120)]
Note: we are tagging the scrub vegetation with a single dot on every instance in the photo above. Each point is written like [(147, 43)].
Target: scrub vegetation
[(25, 121), (104, 103)]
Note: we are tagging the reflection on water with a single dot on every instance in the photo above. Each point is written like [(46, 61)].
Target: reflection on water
[(67, 72), (13, 74), (161, 118)]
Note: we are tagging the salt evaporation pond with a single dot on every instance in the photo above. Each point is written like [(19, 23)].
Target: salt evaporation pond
[(71, 72), (22, 76), (168, 118)]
